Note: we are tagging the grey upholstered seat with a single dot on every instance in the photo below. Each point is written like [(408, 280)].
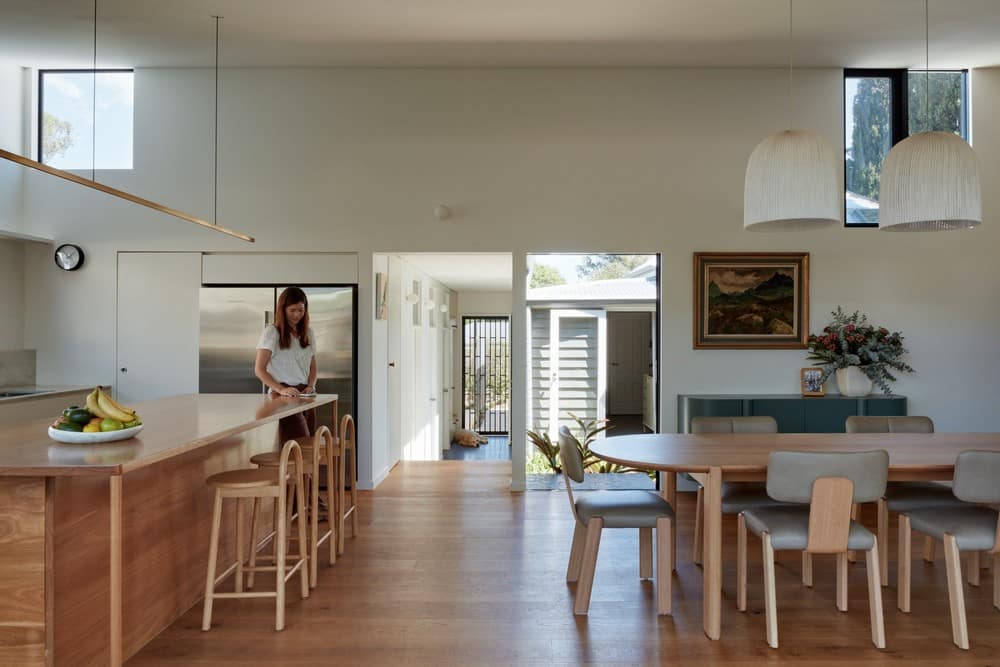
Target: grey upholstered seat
[(821, 488), (596, 510), (974, 527), (964, 527), (789, 528), (622, 509)]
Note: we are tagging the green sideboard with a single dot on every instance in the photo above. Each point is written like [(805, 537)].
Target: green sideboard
[(794, 413)]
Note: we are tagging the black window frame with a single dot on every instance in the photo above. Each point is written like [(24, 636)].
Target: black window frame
[(41, 103), (899, 120)]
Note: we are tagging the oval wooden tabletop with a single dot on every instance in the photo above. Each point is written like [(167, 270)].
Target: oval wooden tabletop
[(687, 452), (172, 426)]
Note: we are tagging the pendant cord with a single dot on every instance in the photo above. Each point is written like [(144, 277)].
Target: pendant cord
[(93, 119), (791, 52), (215, 214)]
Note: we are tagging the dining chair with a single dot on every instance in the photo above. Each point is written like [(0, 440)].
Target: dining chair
[(736, 496), (902, 496), (594, 511), (823, 487), (966, 527)]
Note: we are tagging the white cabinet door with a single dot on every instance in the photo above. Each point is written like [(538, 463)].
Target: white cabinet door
[(158, 317)]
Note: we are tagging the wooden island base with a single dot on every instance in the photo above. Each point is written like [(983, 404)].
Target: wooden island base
[(103, 546)]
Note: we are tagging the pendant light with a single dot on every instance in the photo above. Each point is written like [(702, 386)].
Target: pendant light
[(791, 179), (930, 181)]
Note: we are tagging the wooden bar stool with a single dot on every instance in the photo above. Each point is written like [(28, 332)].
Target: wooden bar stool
[(320, 448), (259, 483), (348, 443)]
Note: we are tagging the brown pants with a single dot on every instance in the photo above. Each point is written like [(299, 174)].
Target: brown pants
[(300, 425)]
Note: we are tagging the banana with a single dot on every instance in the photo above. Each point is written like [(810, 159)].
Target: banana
[(115, 404), (110, 410), (94, 406)]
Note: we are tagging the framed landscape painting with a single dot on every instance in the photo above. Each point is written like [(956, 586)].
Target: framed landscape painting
[(751, 300)]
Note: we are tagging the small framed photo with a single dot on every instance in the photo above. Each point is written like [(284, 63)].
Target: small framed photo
[(811, 385)]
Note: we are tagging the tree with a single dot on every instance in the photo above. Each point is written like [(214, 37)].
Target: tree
[(944, 105), (57, 136), (608, 267), (872, 138), (543, 275)]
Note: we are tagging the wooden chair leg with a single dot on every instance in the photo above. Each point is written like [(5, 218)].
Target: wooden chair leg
[(302, 535), (842, 563), (240, 536), (807, 569), (588, 566), (873, 564), (331, 512), (996, 581), (851, 555), (905, 565), (770, 602), (254, 518), (213, 556), (576, 552), (664, 564), (973, 573), (956, 596), (929, 545), (280, 551), (882, 534), (314, 527), (646, 553), (741, 562), (699, 524)]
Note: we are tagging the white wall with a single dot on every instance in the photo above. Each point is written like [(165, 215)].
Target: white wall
[(531, 160), (11, 139), (11, 294)]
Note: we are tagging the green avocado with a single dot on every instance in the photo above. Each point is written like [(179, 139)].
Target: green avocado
[(69, 426), (80, 416)]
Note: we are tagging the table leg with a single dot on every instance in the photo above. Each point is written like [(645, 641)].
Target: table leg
[(116, 570), (712, 556), (669, 491)]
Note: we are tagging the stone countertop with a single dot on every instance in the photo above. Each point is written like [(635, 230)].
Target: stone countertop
[(39, 391)]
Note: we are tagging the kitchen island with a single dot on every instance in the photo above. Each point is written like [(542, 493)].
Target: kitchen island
[(103, 546)]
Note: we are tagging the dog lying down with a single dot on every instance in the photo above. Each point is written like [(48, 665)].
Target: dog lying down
[(468, 438)]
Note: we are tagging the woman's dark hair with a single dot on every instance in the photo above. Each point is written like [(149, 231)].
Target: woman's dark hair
[(290, 297)]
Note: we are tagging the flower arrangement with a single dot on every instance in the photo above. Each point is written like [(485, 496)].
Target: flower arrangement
[(850, 340)]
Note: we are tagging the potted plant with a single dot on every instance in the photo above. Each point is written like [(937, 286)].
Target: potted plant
[(859, 352)]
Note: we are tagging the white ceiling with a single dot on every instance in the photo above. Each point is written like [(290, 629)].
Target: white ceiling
[(509, 33), (466, 271)]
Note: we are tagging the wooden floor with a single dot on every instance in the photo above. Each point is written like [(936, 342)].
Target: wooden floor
[(453, 569)]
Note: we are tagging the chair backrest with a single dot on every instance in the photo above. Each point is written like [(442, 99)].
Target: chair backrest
[(909, 424), (977, 477), (734, 425), (569, 455), (790, 475), (349, 447)]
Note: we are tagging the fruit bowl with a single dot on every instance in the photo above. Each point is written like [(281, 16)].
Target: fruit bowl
[(80, 438)]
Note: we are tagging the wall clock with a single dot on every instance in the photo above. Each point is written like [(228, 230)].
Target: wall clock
[(69, 257)]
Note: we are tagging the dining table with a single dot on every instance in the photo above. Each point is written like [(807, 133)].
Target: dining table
[(734, 457)]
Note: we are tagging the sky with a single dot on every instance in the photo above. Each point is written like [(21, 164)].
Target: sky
[(565, 263), (70, 97)]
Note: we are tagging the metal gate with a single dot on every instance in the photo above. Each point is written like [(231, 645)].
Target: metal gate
[(486, 374)]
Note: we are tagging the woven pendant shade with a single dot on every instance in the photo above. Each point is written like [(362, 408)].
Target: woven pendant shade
[(930, 183), (791, 183)]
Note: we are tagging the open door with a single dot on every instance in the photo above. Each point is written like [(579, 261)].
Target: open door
[(578, 366)]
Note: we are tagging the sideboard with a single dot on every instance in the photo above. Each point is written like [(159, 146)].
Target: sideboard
[(794, 413)]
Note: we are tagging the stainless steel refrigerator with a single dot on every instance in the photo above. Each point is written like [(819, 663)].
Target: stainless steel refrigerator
[(232, 319)]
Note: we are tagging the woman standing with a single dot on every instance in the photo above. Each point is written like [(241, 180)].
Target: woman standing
[(286, 359)]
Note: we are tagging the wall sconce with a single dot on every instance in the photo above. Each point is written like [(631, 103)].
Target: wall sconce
[(430, 304), (444, 307), (412, 297)]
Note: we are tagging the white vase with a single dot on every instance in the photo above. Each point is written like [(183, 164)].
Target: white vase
[(853, 381)]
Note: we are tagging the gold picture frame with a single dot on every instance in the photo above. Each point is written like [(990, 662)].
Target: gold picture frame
[(810, 380), (751, 301)]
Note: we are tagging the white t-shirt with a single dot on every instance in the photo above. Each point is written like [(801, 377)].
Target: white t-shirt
[(291, 365)]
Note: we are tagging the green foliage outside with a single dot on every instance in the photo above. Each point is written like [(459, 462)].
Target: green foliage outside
[(546, 457), (872, 135), (543, 275), (57, 136), (608, 266)]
